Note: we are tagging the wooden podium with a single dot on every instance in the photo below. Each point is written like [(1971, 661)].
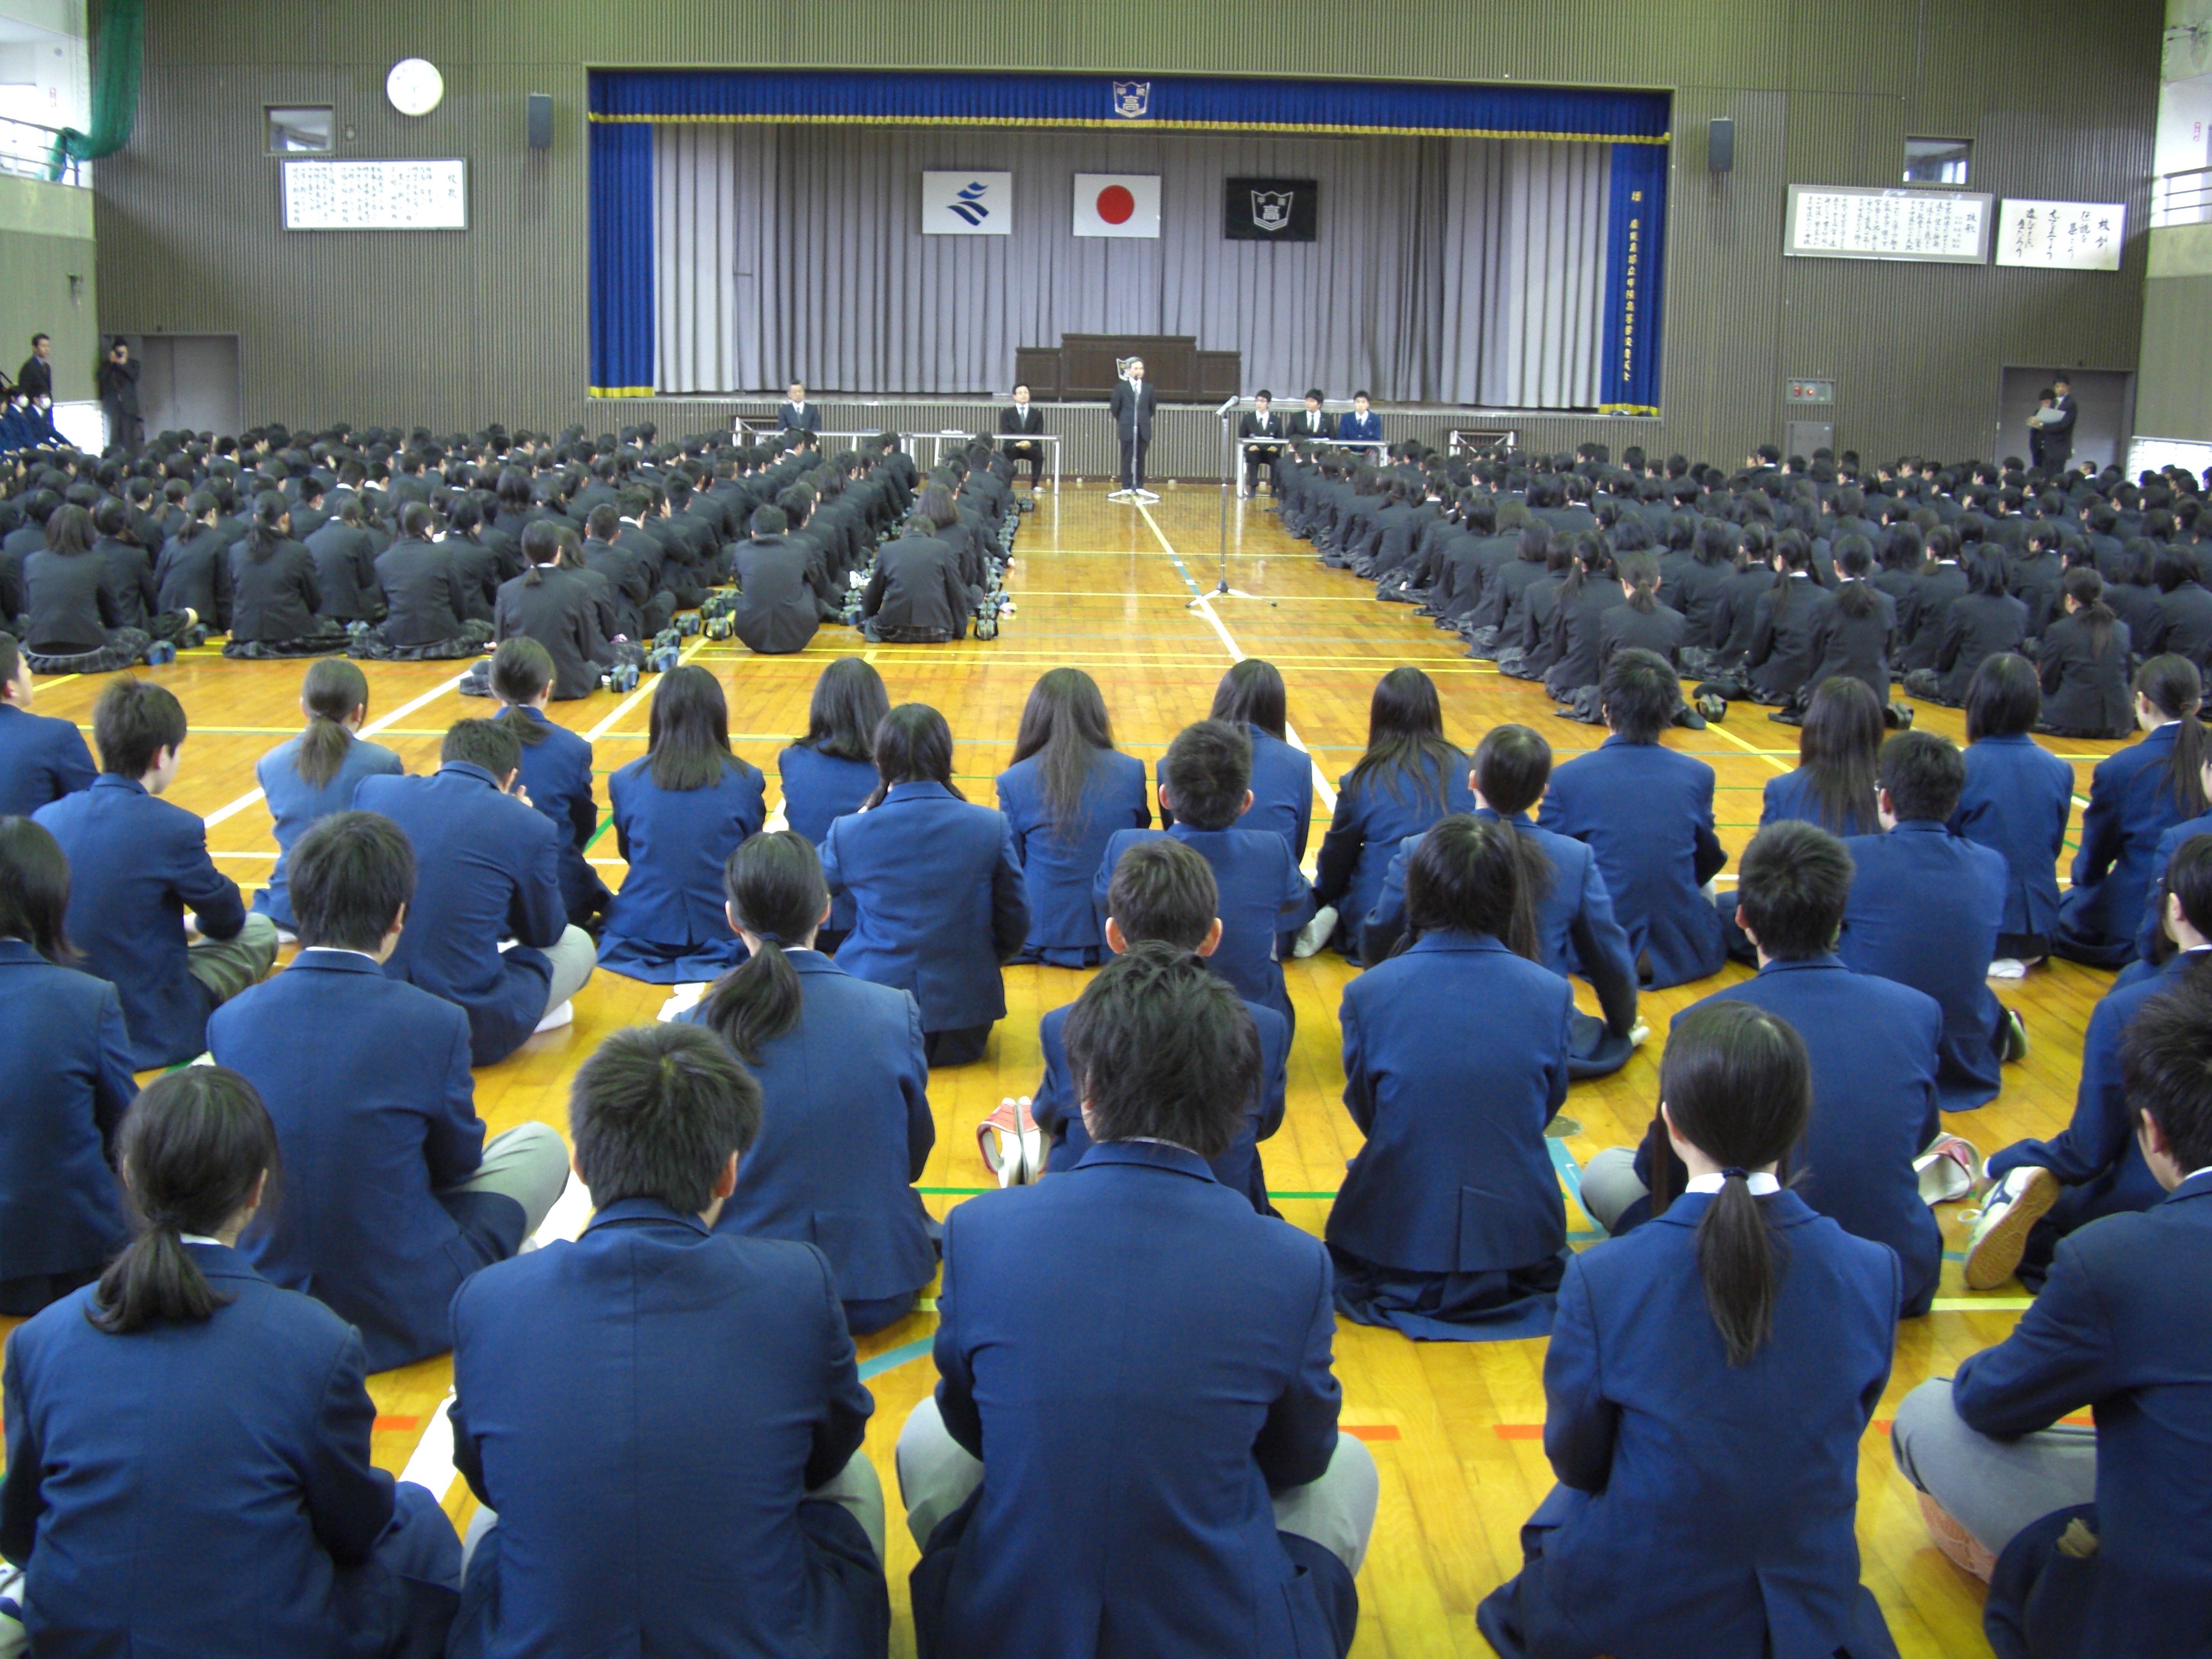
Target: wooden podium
[(1081, 369)]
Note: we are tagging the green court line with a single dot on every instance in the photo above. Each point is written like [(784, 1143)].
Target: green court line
[(606, 824)]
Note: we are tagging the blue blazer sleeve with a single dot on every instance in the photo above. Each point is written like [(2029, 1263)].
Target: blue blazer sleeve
[(1580, 1423), (956, 1380), (115, 1088), (349, 1500), (1601, 945), (1711, 857), (1296, 904), (1358, 1095), (1339, 847), (846, 1405), (2103, 832), (2099, 1134), (207, 892), (583, 811), (1053, 1103), (537, 915), (1010, 902), (453, 1137), (1299, 1436), (1386, 922), (73, 767), (921, 1121), (1275, 1075), (2054, 1362), (20, 1501), (2153, 914)]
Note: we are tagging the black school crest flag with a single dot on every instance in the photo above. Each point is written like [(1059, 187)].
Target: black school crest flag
[(1270, 209)]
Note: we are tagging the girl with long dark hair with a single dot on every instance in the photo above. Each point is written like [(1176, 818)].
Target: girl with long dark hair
[(1984, 622), (2017, 800), (276, 596), (185, 1397), (1708, 1468), (845, 1126), (75, 619), (832, 770), (307, 778), (1450, 1106), (1065, 793), (1855, 631), (939, 898), (2083, 663), (1838, 750), (556, 769), (1408, 778), (680, 810), (1787, 616)]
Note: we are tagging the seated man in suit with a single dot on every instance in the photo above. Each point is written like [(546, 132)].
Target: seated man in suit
[(1259, 422), (1205, 785), (392, 1196), (663, 1421), (1872, 1043), (783, 595), (1190, 1448), (488, 869), (1647, 814), (1363, 425), (1925, 909), (1314, 424), (1019, 449), (137, 864), (1162, 890), (2099, 1538), (797, 413), (41, 759)]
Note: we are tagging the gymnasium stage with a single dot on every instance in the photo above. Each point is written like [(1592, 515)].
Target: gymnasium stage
[(1455, 1428)]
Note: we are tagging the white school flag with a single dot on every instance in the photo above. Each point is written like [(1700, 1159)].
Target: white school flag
[(968, 204), (1117, 204)]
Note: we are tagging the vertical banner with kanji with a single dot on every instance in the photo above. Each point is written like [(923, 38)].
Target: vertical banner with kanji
[(1635, 246)]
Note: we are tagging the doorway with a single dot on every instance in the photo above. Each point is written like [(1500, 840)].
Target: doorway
[(189, 381), (2107, 400)]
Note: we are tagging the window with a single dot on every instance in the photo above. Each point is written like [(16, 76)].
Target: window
[(1937, 161), (296, 131)]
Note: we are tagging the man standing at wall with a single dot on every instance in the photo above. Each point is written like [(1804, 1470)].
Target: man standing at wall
[(1132, 406), (118, 398), (36, 377)]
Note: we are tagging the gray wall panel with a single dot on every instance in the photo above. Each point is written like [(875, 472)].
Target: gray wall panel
[(451, 330)]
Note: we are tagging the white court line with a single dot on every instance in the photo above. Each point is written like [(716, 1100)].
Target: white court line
[(644, 691), (432, 1465), (232, 809), (1236, 653)]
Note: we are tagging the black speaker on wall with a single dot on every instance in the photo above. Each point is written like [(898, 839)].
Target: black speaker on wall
[(1720, 144), (541, 120)]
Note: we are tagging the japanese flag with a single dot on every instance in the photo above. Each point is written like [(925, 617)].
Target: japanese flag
[(1117, 204)]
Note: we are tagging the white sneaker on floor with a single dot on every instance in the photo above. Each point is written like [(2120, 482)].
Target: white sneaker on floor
[(556, 1019), (2000, 1236), (2008, 968), (1147, 496), (1639, 1034), (1316, 934), (286, 936), (1122, 496)]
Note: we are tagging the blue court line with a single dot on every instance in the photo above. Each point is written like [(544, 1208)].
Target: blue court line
[(1571, 1173), (892, 1358)]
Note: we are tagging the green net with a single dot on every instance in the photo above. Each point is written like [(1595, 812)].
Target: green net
[(116, 52)]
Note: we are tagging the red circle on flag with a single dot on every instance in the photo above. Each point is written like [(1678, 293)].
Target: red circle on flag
[(1115, 204)]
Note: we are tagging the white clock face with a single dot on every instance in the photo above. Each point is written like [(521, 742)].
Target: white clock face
[(414, 85)]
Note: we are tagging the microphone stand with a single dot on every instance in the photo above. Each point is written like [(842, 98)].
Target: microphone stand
[(1231, 459)]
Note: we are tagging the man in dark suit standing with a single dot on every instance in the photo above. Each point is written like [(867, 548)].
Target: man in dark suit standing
[(1262, 422), (1019, 420), (119, 396), (1132, 406), (36, 377), (2056, 425), (1314, 423), (798, 414)]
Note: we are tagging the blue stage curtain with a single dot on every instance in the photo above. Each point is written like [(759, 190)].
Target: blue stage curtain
[(1635, 254), (1189, 102), (622, 261)]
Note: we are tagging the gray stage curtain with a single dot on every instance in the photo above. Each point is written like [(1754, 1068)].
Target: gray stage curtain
[(1447, 271)]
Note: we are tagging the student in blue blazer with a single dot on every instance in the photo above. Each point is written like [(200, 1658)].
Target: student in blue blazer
[(136, 864), (1647, 814), (556, 771), (2042, 1190), (68, 1081), (1709, 1381), (1925, 909), (307, 778), (1204, 777), (846, 1126), (2122, 1328), (2017, 800), (1837, 747), (2135, 797), (1408, 778), (1068, 791), (1251, 696), (680, 810), (1216, 1513), (937, 887), (1576, 931), (1873, 1046), (391, 1195), (186, 1399), (487, 868), (1449, 1225), (1162, 890), (1362, 425), (41, 759), (662, 1420), (832, 770)]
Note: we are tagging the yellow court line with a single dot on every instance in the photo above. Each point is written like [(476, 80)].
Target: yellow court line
[(1980, 1303), (1765, 755)]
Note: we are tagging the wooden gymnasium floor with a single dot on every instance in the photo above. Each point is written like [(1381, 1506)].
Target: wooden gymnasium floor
[(1455, 1427)]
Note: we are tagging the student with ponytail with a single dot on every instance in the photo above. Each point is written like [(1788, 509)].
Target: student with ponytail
[(557, 608), (1449, 1225), (2135, 797), (556, 770), (186, 1399), (1788, 616), (1838, 750), (844, 1123), (1709, 1466), (2084, 661), (307, 778)]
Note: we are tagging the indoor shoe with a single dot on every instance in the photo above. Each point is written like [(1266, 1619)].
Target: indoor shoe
[(1316, 934), (556, 1019), (1957, 1544), (2008, 968), (2000, 1236), (1950, 1168), (1011, 1144), (1712, 705), (2013, 1037)]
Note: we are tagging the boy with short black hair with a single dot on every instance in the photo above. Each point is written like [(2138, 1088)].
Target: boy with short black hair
[(41, 759), (136, 864)]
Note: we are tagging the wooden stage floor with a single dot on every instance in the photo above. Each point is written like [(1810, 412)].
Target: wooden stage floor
[(1454, 1427)]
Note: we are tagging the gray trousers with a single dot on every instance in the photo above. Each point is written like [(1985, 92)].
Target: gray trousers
[(936, 1473), (1610, 1186), (1992, 1488), (227, 966), (530, 1164), (573, 956), (856, 1487)]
